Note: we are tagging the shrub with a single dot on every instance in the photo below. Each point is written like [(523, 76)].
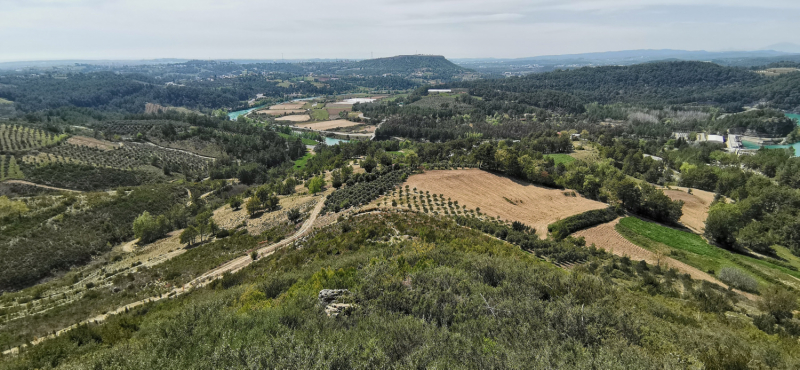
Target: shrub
[(778, 302), (738, 279), (560, 229)]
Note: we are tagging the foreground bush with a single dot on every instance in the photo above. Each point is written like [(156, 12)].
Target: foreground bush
[(738, 279)]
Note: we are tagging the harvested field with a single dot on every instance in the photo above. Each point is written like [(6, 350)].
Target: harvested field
[(279, 112), (695, 207), (294, 118), (92, 143), (334, 112), (329, 125), (290, 106), (503, 197), (606, 236)]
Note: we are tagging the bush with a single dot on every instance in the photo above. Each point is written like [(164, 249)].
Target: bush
[(738, 279), (560, 229)]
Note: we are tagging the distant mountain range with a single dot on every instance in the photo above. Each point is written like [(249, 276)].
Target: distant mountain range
[(629, 57)]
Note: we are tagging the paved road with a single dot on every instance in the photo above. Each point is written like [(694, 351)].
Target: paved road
[(203, 280)]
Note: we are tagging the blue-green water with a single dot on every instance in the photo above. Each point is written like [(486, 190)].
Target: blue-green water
[(795, 146), (234, 115), (332, 141)]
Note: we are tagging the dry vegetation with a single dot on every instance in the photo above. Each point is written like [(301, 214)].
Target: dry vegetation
[(695, 206), (503, 197), (295, 118), (329, 125)]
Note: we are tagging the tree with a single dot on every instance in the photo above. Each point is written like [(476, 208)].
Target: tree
[(369, 164), (778, 302), (336, 179), (9, 207), (188, 235), (254, 206), (294, 215), (235, 202), (316, 184), (148, 228), (722, 223)]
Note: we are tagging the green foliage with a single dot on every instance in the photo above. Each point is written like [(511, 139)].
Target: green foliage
[(363, 192), (88, 178), (560, 229), (148, 228), (447, 297), (738, 279), (315, 184)]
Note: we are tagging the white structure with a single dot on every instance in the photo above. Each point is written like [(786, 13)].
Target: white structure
[(716, 138), (439, 91)]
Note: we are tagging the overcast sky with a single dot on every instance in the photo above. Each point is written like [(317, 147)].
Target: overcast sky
[(238, 29)]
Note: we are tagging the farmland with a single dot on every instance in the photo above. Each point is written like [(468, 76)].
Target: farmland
[(694, 251), (294, 118), (695, 206), (9, 168), (329, 125), (561, 158), (503, 197), (14, 138)]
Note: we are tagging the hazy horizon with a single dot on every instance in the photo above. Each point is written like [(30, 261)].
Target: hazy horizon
[(51, 30)]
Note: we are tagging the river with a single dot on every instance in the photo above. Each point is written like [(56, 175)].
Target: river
[(234, 115)]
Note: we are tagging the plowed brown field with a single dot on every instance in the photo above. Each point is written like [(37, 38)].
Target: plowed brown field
[(606, 236), (328, 125), (503, 197), (695, 207)]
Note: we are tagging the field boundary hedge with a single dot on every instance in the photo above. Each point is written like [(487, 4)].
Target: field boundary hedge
[(561, 228)]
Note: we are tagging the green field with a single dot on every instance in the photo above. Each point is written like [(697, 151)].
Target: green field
[(305, 141), (301, 163), (560, 158), (694, 251), (319, 115), (397, 153)]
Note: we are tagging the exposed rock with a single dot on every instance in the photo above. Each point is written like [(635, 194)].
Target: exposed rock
[(328, 296), (335, 309)]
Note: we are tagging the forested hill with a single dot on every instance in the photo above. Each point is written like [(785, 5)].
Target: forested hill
[(652, 83), (435, 65)]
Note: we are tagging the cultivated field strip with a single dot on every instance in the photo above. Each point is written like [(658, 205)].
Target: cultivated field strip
[(15, 138)]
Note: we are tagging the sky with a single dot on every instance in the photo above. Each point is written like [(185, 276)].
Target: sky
[(358, 29)]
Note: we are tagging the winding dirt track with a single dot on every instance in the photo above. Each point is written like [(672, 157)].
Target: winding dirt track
[(23, 182), (202, 280)]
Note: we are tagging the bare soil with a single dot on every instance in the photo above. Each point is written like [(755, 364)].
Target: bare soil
[(296, 105), (295, 118), (695, 206), (329, 125), (503, 197)]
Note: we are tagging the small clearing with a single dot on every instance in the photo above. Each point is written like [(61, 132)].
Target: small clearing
[(294, 118), (329, 125), (695, 206), (93, 143), (530, 204)]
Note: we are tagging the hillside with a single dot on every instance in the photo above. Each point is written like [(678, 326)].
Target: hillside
[(650, 83), (422, 65)]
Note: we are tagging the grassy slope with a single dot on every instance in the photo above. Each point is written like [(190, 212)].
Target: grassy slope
[(561, 158), (693, 250), (305, 141), (300, 164), (442, 297), (319, 115)]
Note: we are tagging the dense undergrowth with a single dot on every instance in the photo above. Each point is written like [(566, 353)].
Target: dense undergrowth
[(427, 293)]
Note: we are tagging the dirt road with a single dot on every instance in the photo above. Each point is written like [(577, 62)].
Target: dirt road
[(203, 280), (23, 182)]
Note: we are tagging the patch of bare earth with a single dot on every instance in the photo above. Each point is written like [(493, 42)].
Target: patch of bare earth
[(695, 206), (92, 143), (294, 118), (279, 112), (606, 236), (503, 197), (328, 125), (228, 218), (289, 106)]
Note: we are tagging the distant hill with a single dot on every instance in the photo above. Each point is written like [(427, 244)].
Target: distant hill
[(432, 66), (647, 83)]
